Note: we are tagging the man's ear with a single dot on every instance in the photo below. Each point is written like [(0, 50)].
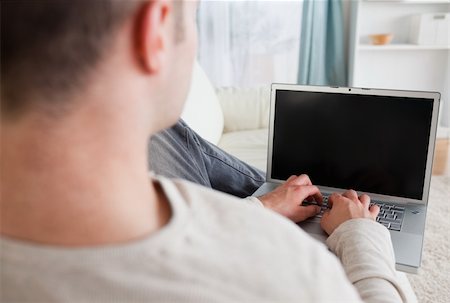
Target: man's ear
[(153, 32)]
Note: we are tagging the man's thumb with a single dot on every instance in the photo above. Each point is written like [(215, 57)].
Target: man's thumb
[(308, 211)]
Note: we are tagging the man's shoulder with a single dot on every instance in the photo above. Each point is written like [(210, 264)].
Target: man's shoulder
[(200, 199), (218, 210)]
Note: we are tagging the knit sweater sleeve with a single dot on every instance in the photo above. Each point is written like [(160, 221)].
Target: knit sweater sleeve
[(253, 201), (365, 250)]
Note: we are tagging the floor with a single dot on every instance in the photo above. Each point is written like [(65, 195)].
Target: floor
[(432, 283), (441, 160)]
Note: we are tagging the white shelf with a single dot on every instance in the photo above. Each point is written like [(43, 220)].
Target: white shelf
[(370, 47), (399, 65), (409, 1)]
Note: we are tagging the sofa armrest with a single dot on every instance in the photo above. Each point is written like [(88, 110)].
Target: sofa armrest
[(202, 110), (244, 109)]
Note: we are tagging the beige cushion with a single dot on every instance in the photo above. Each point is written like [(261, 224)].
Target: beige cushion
[(245, 109), (249, 146)]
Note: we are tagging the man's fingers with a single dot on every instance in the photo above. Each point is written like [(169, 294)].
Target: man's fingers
[(306, 212), (325, 214), (303, 192), (310, 191), (303, 180), (289, 180), (365, 200), (333, 198), (319, 198), (300, 180), (374, 210), (351, 194)]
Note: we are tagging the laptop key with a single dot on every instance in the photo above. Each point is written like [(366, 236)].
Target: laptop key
[(386, 225), (386, 220), (399, 215), (395, 226)]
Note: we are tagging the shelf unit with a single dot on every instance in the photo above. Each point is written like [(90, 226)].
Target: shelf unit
[(399, 65)]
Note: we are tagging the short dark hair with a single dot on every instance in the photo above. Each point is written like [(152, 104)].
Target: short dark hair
[(48, 46)]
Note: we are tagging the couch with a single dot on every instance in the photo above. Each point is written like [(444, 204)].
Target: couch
[(237, 121)]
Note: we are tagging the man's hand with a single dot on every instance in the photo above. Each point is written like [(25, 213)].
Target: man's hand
[(287, 198), (345, 207)]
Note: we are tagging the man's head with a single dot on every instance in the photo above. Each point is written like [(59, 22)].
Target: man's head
[(55, 51), (84, 83)]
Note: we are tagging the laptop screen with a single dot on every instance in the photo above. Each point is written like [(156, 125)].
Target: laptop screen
[(375, 144)]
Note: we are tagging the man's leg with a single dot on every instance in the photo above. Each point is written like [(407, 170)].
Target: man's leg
[(179, 152)]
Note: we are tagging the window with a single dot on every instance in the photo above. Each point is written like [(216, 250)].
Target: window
[(249, 43)]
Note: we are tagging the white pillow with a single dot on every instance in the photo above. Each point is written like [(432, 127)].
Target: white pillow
[(202, 111)]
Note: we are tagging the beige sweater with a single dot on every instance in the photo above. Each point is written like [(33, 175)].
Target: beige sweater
[(214, 249)]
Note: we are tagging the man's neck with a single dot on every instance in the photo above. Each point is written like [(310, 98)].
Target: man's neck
[(62, 186)]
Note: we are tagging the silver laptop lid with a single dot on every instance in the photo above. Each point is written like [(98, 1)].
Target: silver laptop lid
[(376, 141)]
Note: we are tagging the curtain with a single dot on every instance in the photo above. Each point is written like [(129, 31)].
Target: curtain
[(249, 43), (322, 55)]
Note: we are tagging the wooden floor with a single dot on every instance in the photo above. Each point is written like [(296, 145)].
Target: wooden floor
[(441, 158)]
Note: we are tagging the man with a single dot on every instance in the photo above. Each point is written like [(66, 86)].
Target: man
[(83, 84)]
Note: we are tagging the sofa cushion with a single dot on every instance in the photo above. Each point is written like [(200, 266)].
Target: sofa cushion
[(245, 108), (249, 146), (202, 111)]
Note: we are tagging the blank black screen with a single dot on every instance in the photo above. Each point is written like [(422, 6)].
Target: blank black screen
[(375, 144)]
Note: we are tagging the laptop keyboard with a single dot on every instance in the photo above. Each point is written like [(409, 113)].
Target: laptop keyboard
[(390, 215)]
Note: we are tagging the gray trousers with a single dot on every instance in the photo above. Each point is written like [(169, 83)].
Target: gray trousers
[(179, 152)]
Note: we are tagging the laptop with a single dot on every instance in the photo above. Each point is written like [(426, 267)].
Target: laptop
[(375, 141)]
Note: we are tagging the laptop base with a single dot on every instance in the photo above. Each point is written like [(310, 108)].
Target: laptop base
[(407, 243)]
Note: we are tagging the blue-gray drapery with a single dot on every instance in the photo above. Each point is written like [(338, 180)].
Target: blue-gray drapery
[(322, 59)]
